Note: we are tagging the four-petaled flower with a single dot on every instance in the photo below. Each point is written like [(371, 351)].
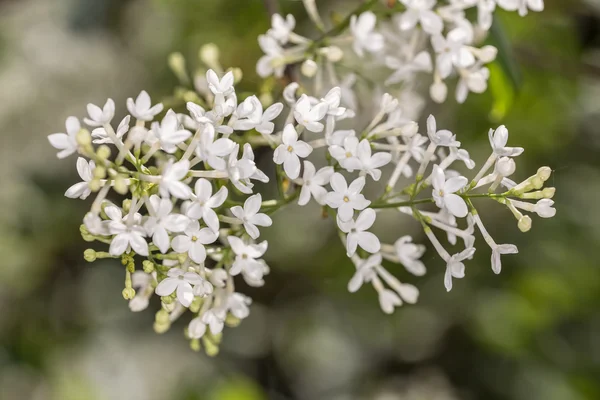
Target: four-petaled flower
[(309, 115), (444, 192), (362, 28), (357, 235), (66, 142), (193, 240), (100, 116), (498, 140), (142, 108), (409, 255), (202, 206), (250, 216), (313, 182), (290, 151), (85, 170), (168, 132), (162, 221), (128, 232), (346, 198), (180, 281), (170, 182), (455, 267), (246, 257)]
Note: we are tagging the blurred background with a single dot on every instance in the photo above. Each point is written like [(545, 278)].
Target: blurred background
[(531, 333)]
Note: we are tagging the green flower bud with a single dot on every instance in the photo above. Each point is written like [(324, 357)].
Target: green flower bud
[(237, 75), (548, 193), (94, 185), (162, 317), (195, 344), (89, 255), (266, 99), (176, 62), (148, 266), (161, 328), (99, 172), (544, 173), (211, 349), (103, 152), (524, 223), (232, 321), (196, 304), (83, 138), (209, 54), (120, 185), (167, 299), (128, 293)]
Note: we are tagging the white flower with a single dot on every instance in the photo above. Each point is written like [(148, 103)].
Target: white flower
[(237, 304), (101, 137), (365, 272), (455, 267), (202, 206), (371, 163), (162, 222), (168, 132), (66, 142), (452, 51), (250, 216), (471, 80), (142, 108), (126, 235), (246, 257), (248, 154), (211, 150), (170, 182), (290, 151), (333, 98), (142, 282), (203, 289), (406, 70), (420, 11), (498, 250), (442, 137), (522, 5), (309, 115), (95, 225), (281, 28), (215, 319), (544, 208), (498, 140), (222, 87), (388, 300), (180, 281), (313, 182), (357, 234), (364, 37), (444, 192), (98, 116), (346, 198), (273, 62), (347, 153), (193, 240), (85, 170), (196, 328), (240, 171), (251, 115), (409, 254)]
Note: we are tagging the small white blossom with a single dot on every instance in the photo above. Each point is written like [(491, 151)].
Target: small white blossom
[(223, 87), (281, 28), (180, 281), (163, 221), (347, 153), (498, 140), (100, 116), (240, 171), (100, 136), (309, 115), (126, 235), (455, 267), (142, 108), (442, 137), (290, 151), (247, 257), (365, 39), (196, 328), (212, 151), (444, 192), (170, 182), (202, 206), (85, 170), (251, 115), (420, 11), (452, 51), (371, 163), (142, 282), (273, 62), (168, 132), (66, 142), (313, 182), (409, 255), (522, 5), (365, 272), (346, 198), (249, 215), (193, 240), (497, 251), (215, 319), (357, 235)]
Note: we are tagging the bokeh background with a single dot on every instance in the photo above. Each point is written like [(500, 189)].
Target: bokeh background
[(66, 333)]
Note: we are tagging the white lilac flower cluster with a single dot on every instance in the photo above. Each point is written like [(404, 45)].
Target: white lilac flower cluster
[(191, 213), (419, 36)]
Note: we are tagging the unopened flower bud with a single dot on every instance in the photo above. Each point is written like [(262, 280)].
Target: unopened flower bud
[(103, 152), (211, 349), (410, 129), (148, 266), (176, 62), (89, 255), (162, 317), (309, 68), (83, 137), (505, 166), (209, 54), (537, 182), (266, 99), (544, 173), (548, 193), (237, 75), (333, 53), (524, 223), (195, 344), (120, 185), (126, 205), (128, 293), (99, 172), (167, 300), (95, 185), (232, 321), (438, 91), (487, 54), (161, 328)]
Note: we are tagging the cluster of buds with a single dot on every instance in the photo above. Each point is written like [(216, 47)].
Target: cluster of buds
[(192, 215)]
